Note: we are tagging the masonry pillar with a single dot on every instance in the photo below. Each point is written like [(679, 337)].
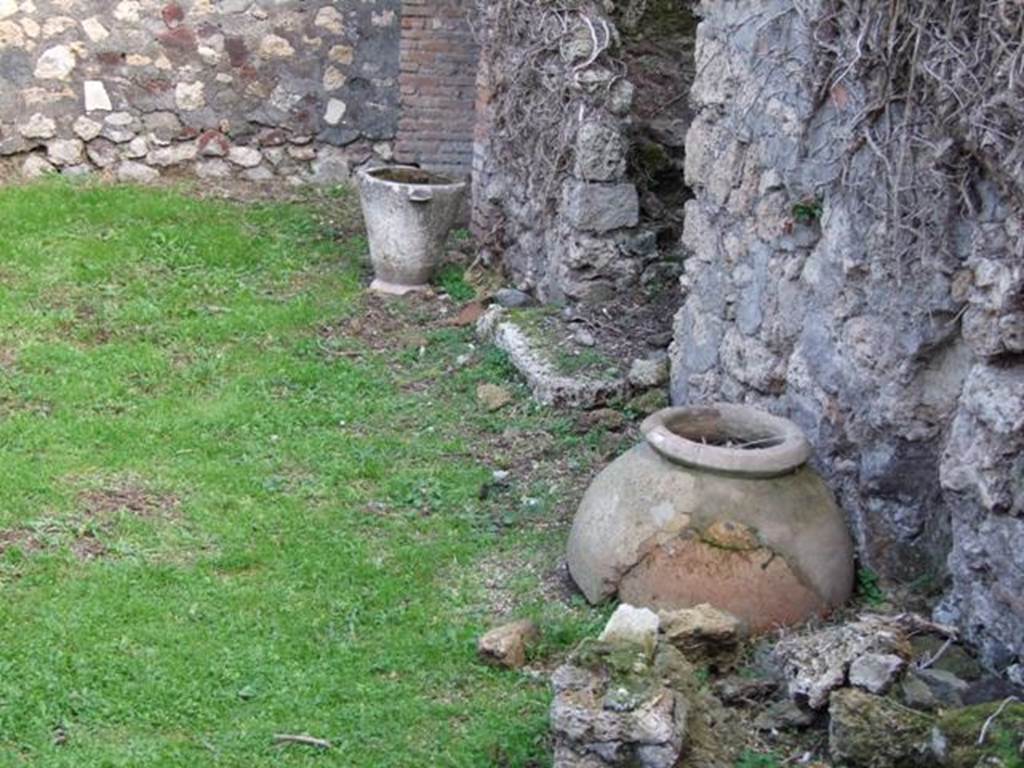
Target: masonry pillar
[(439, 58)]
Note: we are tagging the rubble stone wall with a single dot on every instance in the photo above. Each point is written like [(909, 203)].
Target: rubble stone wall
[(259, 89), (582, 220), (906, 372)]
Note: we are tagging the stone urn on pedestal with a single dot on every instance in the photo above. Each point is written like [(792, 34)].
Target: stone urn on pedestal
[(719, 506), (409, 213)]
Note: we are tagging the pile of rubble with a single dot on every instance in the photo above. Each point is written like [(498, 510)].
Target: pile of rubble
[(687, 689)]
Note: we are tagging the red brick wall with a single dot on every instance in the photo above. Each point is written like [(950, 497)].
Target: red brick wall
[(439, 59)]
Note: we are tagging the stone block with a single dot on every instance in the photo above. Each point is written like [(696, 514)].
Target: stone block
[(876, 672), (65, 152), (36, 166), (600, 152), (131, 172), (506, 646), (638, 626), (602, 207)]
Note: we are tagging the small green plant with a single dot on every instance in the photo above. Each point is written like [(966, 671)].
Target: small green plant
[(703, 675), (340, 191), (452, 280), (751, 759), (1010, 749), (868, 586), (807, 211), (495, 365), (585, 361)]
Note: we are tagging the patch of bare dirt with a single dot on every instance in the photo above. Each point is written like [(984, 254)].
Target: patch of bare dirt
[(8, 359), (129, 497), (9, 405), (86, 327), (382, 323), (499, 573), (88, 547), (98, 508), (20, 539)]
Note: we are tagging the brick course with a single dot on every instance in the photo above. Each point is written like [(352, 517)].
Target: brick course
[(438, 71)]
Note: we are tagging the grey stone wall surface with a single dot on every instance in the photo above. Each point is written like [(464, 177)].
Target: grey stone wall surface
[(259, 89), (906, 371), (579, 223)]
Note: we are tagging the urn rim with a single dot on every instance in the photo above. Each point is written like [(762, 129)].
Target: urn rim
[(726, 437), (418, 178)]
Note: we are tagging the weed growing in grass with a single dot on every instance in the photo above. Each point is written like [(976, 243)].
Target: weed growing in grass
[(453, 282), (751, 759)]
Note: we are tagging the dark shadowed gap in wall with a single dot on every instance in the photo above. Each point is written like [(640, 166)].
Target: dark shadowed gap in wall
[(658, 41)]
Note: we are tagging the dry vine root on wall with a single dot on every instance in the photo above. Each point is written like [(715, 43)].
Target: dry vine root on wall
[(942, 99), (550, 63)]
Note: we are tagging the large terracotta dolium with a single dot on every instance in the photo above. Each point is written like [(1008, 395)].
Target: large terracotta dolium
[(717, 505)]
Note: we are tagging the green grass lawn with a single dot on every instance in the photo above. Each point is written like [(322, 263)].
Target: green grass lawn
[(222, 516)]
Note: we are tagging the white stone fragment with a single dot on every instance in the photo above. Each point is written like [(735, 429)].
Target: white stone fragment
[(36, 166), (259, 174), (876, 672), (118, 127), (95, 30), (632, 625), (137, 147), (275, 47), (334, 79), (335, 111), (11, 35), (120, 119), (173, 154), (645, 373), (136, 173), (209, 55), (189, 96), (127, 11), (331, 166), (56, 63), (57, 25), (102, 153), (330, 19), (96, 97), (213, 169), (341, 54), (65, 151)]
